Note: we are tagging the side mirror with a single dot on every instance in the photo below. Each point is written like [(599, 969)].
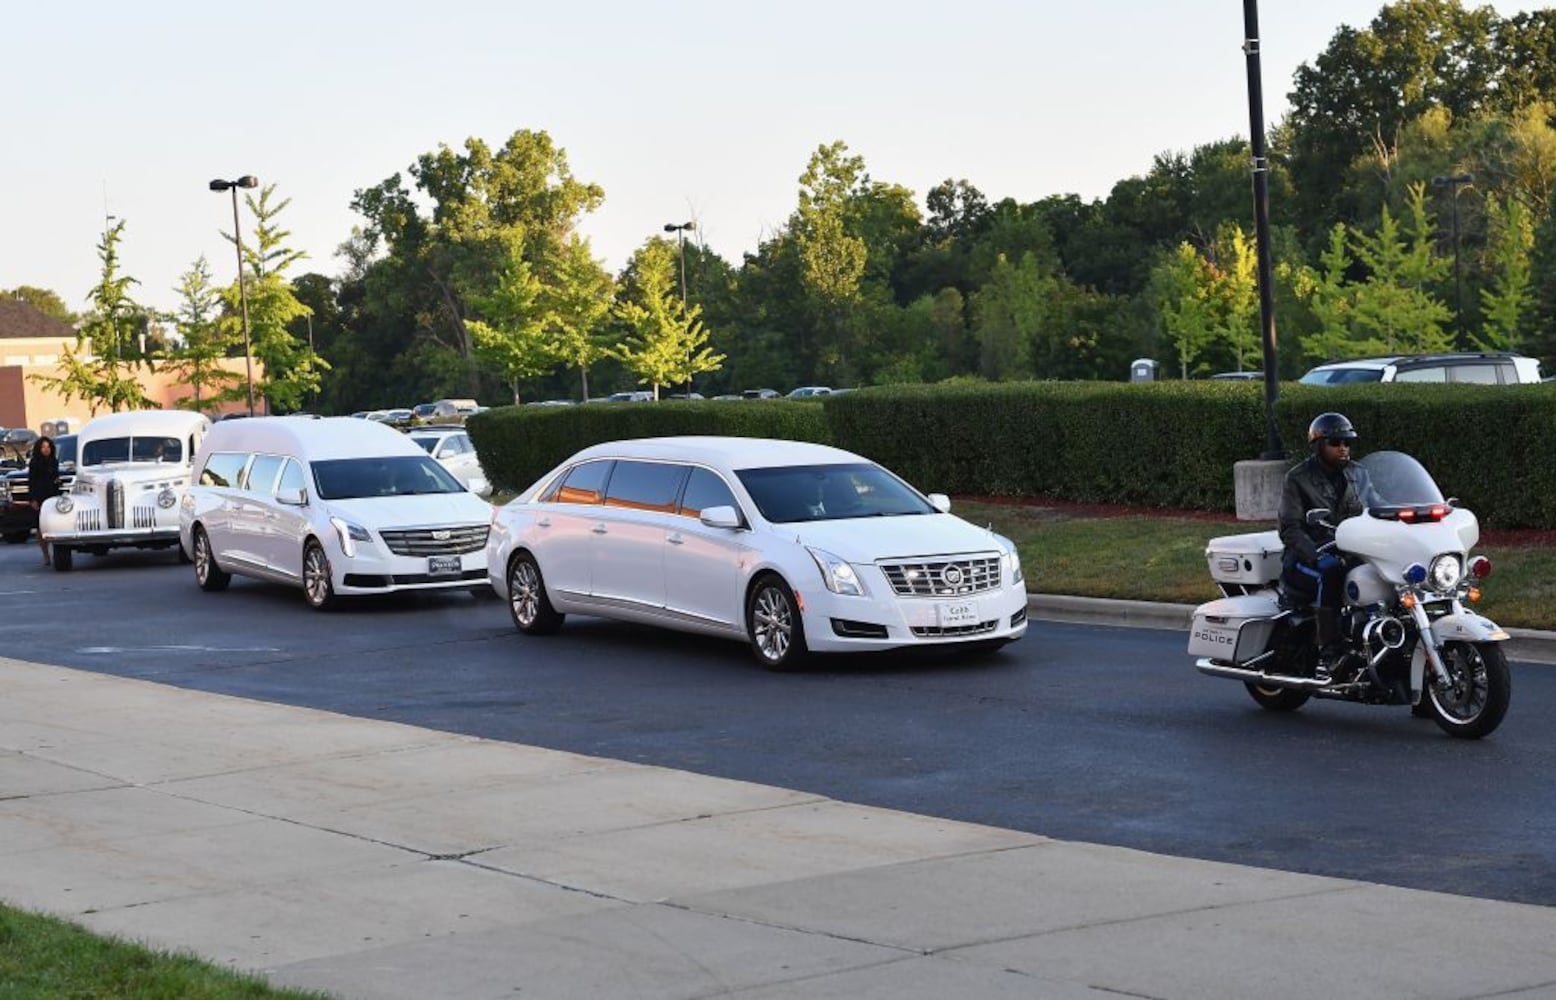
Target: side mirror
[(293, 498), (720, 517), (940, 502), (1317, 517)]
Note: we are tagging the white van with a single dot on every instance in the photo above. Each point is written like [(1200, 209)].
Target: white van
[(335, 505)]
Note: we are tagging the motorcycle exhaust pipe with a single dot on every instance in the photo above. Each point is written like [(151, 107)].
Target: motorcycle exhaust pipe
[(1214, 669)]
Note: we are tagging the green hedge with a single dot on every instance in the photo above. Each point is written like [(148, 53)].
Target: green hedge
[(1164, 444), (519, 444)]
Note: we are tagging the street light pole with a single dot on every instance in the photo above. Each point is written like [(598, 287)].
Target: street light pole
[(1261, 226), (679, 229), (246, 181), (1453, 183)]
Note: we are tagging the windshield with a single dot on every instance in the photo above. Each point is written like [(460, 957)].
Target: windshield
[(428, 443), (1342, 376), (830, 492), (132, 449), (391, 476), (1399, 480), (65, 448)]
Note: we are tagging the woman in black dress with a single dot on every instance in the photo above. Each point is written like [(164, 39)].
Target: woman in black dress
[(42, 481)]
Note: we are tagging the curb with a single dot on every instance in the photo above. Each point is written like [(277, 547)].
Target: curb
[(1525, 645)]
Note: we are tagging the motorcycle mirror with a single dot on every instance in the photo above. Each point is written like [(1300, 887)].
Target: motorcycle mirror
[(1317, 516)]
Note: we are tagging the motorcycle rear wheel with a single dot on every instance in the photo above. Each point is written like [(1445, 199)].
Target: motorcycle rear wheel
[(1277, 699), (1480, 686)]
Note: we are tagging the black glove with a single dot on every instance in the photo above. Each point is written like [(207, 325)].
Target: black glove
[(1307, 549)]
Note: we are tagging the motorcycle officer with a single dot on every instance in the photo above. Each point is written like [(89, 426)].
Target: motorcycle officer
[(1329, 479)]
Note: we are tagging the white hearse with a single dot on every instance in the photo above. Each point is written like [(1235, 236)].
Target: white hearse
[(334, 505), (131, 472)]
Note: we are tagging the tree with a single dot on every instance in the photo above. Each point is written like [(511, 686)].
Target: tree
[(666, 342), (513, 338), (1008, 316), (291, 370), (1394, 306), (579, 295), (1504, 304), (1181, 287), (1328, 295), (101, 368), (42, 299), (203, 342), (1236, 291)]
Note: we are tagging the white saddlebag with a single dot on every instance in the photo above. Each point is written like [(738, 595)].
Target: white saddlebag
[(1252, 559), (1233, 629)]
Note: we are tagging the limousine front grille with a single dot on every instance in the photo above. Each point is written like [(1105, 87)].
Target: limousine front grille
[(946, 632), (943, 577), (437, 541)]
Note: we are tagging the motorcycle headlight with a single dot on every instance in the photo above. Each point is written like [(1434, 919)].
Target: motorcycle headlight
[(1011, 560), (167, 498), (63, 504), (837, 574), (349, 534), (1445, 572)]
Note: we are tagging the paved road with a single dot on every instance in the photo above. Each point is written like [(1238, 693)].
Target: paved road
[(1083, 733)]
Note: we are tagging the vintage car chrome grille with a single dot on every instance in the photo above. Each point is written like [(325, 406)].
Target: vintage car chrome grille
[(937, 632), (944, 577), (115, 504), (89, 520), (144, 517), (436, 541)]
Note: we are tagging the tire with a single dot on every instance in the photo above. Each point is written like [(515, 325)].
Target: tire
[(318, 588), (1277, 699), (1479, 691), (16, 537), (208, 574), (527, 600), (64, 558), (773, 625)]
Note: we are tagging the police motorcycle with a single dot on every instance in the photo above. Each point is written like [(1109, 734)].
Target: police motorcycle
[(1410, 636)]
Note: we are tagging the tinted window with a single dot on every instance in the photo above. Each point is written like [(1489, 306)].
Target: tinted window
[(388, 476), (292, 477), (704, 489), (222, 469), (830, 492), (645, 485), (263, 473), (585, 484), (427, 441), (1482, 374), (1436, 373)]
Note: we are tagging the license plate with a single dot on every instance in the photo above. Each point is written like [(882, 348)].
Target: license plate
[(442, 565), (958, 613)]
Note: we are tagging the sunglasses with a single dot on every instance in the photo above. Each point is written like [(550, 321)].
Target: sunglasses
[(1339, 442)]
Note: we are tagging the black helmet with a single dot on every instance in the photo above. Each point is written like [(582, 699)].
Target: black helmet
[(1330, 425)]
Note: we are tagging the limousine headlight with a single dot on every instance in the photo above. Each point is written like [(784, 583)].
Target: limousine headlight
[(63, 504), (1012, 560), (836, 573), (349, 534)]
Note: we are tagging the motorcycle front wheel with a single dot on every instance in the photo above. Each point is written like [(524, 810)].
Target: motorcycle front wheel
[(1476, 696)]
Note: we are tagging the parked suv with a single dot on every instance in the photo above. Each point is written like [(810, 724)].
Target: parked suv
[(1484, 369), (17, 518)]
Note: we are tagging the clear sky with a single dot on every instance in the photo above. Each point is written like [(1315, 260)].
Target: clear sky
[(680, 110)]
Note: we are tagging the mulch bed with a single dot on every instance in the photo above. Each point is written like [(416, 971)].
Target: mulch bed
[(1519, 537)]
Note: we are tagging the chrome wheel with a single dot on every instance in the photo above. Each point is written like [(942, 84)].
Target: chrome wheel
[(316, 576), (1474, 700), (207, 574), (524, 593), (774, 626)]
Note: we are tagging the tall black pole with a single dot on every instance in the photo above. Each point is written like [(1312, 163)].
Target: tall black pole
[(1458, 287), (1261, 227)]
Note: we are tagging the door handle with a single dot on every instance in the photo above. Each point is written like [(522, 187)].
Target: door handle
[(544, 522), (598, 529), (676, 539)]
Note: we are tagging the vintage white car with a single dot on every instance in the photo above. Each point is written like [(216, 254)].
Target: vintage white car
[(131, 471)]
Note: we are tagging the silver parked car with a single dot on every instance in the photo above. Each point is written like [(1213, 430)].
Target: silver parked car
[(451, 446)]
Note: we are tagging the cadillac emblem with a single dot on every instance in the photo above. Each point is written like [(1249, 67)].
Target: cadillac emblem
[(952, 575), (442, 535)]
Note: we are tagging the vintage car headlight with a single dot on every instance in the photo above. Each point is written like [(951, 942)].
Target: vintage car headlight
[(836, 573), (167, 498), (63, 504), (1445, 572), (1011, 559), (349, 534)]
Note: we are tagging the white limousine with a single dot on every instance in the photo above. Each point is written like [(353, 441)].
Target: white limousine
[(131, 472), (334, 505), (789, 546)]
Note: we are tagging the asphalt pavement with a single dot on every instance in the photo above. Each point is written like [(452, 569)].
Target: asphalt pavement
[(378, 860)]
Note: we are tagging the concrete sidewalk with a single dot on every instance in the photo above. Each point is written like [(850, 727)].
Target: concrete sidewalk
[(372, 859)]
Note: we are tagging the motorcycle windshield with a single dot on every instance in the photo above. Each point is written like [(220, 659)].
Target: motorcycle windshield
[(1400, 481)]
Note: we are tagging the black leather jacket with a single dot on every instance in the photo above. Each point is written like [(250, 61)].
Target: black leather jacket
[(1309, 486)]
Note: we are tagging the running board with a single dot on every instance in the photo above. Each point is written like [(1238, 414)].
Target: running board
[(1215, 669)]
